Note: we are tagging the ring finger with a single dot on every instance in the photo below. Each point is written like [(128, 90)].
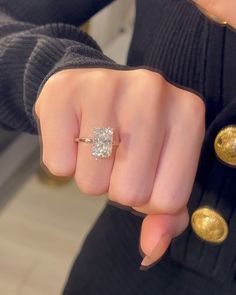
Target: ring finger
[(93, 173)]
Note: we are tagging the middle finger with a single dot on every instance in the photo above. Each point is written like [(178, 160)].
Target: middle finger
[(142, 134)]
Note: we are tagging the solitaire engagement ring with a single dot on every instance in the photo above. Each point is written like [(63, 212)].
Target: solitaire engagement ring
[(102, 142)]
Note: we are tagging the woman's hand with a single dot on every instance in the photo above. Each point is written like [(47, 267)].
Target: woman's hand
[(224, 10), (161, 129)]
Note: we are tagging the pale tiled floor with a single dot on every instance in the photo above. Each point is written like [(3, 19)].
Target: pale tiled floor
[(41, 231), (43, 227)]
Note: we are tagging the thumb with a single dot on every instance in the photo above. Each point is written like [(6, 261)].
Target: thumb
[(157, 231)]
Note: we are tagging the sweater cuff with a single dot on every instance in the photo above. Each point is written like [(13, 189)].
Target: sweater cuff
[(59, 54), (82, 56)]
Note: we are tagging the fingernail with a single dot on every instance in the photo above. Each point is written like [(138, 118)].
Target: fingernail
[(157, 252), (146, 267)]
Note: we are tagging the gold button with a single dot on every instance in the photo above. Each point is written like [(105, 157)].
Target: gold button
[(225, 145), (209, 225)]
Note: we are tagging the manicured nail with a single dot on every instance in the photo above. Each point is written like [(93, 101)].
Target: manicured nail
[(157, 252), (144, 268)]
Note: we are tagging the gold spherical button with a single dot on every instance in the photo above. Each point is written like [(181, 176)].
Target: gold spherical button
[(209, 225), (225, 145)]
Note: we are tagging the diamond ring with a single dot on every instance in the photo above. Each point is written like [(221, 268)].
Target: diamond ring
[(102, 142)]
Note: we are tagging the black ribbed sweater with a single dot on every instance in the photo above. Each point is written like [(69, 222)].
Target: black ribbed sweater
[(38, 38)]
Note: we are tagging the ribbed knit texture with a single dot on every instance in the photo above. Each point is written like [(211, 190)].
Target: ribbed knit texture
[(30, 53), (109, 264), (39, 38), (188, 49), (214, 187)]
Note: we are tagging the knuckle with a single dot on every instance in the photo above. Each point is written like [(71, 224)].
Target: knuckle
[(166, 208), (62, 82), (198, 108), (59, 84), (100, 76), (90, 186), (58, 169), (152, 85), (167, 205), (140, 72), (127, 197), (193, 112), (59, 77), (144, 77), (99, 81), (141, 77)]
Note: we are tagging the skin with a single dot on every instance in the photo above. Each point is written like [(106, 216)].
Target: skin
[(161, 129), (224, 10)]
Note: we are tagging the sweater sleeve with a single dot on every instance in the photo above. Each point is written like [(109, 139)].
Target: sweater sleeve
[(73, 12), (35, 42)]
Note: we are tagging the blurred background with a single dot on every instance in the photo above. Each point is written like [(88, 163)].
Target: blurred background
[(43, 218)]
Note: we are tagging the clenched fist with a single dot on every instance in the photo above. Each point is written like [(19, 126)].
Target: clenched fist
[(161, 129)]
